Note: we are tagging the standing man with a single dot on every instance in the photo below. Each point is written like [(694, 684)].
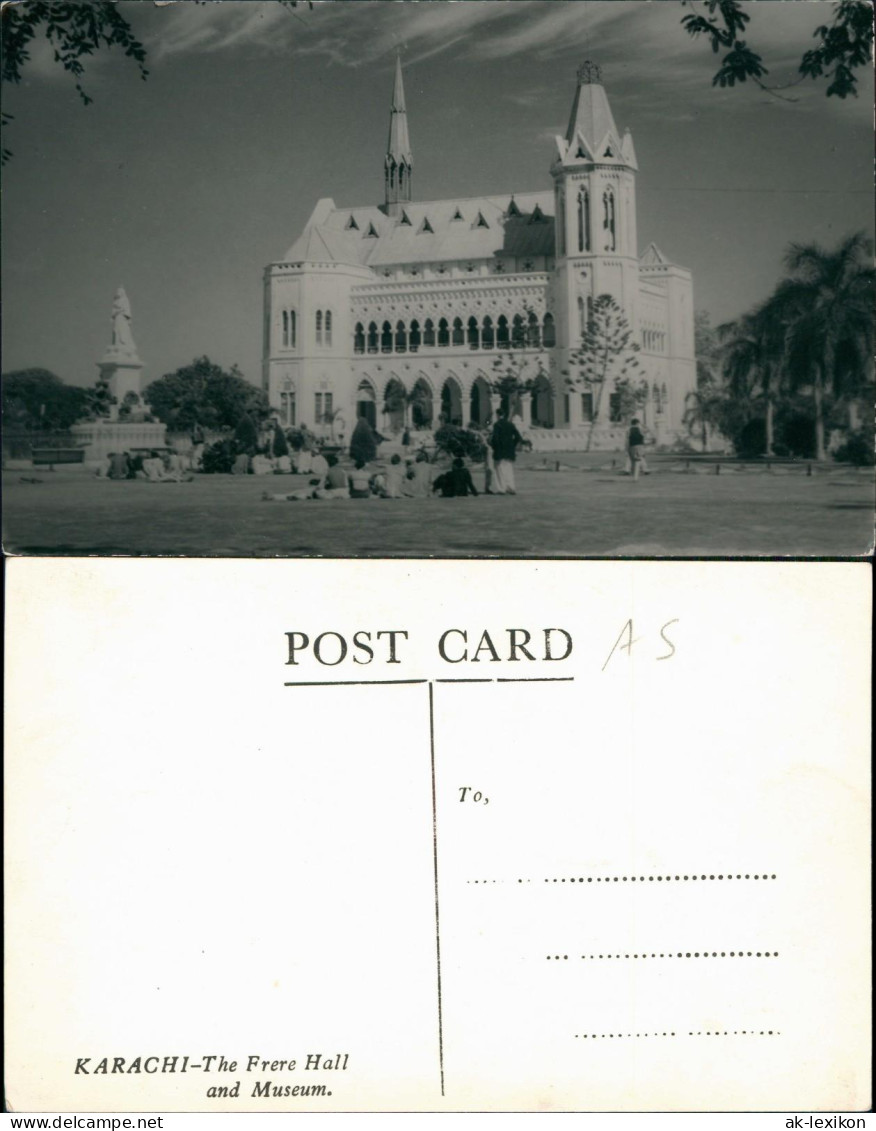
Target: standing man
[(197, 445), (504, 442), (636, 448)]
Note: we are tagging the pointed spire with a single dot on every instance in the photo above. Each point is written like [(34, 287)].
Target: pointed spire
[(399, 146), (591, 114), (399, 159)]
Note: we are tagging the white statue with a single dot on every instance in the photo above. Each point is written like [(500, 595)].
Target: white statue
[(123, 339)]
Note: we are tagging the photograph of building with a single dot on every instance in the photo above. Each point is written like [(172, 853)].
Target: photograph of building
[(395, 311), (600, 271)]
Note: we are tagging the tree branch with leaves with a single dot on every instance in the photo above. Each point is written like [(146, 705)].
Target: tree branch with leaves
[(844, 45)]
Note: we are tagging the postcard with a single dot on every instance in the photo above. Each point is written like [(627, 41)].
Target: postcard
[(614, 258), (417, 836)]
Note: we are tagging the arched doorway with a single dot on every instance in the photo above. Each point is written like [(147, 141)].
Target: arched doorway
[(394, 401), (366, 402), (451, 402), (542, 404), (422, 411), (480, 407)]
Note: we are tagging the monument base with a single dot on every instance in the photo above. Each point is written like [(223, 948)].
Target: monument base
[(102, 437)]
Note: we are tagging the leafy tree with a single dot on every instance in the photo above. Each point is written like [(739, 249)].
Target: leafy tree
[(607, 353), (363, 445), (204, 393), (753, 351), (827, 307), (456, 441), (706, 350), (704, 408), (279, 443), (843, 46), (631, 395), (246, 435), (515, 374), (36, 399)]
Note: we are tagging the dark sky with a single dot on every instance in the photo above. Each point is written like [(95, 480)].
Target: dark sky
[(183, 187)]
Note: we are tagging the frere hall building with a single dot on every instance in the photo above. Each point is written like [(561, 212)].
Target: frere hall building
[(397, 311)]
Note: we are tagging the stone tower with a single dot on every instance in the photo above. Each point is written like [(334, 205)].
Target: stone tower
[(595, 196), (399, 161)]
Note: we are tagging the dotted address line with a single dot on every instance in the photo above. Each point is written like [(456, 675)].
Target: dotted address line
[(677, 954), (691, 1033), (634, 879)]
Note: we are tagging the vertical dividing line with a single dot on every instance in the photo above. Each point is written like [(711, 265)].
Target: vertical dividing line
[(435, 865)]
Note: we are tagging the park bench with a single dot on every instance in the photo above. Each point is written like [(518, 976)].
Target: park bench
[(48, 457)]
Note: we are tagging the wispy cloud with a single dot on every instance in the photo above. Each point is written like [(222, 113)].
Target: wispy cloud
[(643, 38)]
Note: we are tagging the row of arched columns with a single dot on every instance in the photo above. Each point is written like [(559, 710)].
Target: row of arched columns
[(505, 332), (417, 402)]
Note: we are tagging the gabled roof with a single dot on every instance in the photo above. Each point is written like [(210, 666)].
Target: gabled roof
[(328, 235), (652, 256)]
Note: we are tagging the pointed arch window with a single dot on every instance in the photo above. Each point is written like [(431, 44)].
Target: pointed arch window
[(582, 326), (487, 337), (549, 334), (372, 337), (533, 331), (518, 332), (443, 333), (608, 220), (429, 333), (473, 334), (502, 332), (414, 337), (319, 327), (401, 337), (386, 338), (583, 219), (458, 335), (359, 338), (328, 327), (401, 177), (284, 341), (561, 223)]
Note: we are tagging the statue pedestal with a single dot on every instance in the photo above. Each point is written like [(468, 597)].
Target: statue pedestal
[(101, 437), (123, 372)]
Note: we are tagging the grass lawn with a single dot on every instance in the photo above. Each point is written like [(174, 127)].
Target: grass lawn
[(579, 511)]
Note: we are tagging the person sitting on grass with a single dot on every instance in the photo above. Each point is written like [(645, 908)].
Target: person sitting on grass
[(456, 481), (319, 465), (419, 479), (336, 484), (360, 481), (393, 479)]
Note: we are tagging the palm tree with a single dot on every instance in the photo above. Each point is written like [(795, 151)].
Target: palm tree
[(753, 351), (702, 410), (827, 307)]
